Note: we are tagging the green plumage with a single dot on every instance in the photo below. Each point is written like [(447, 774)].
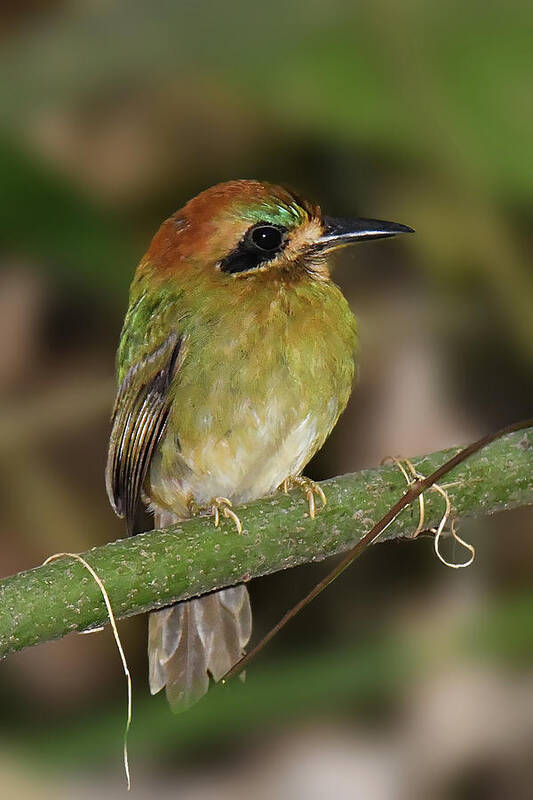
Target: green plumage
[(254, 364), (236, 358)]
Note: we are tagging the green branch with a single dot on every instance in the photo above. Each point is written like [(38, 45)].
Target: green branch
[(160, 567)]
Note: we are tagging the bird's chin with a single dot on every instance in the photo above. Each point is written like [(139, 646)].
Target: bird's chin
[(317, 267)]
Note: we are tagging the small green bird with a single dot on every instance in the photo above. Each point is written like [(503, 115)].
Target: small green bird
[(236, 359)]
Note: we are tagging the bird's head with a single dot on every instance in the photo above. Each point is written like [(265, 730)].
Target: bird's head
[(245, 229)]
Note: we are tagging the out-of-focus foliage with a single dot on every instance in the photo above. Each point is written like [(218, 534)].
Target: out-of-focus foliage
[(43, 216), (113, 114)]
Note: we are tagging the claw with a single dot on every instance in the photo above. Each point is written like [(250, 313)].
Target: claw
[(193, 508), (230, 514), (311, 503), (217, 506), (311, 488)]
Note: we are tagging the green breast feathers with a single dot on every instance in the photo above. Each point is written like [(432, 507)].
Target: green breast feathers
[(226, 397)]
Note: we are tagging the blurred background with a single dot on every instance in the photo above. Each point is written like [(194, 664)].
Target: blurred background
[(405, 679)]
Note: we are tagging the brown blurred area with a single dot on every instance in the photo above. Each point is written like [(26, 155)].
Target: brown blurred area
[(404, 680)]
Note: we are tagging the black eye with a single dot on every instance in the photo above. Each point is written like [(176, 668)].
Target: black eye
[(267, 238), (259, 245)]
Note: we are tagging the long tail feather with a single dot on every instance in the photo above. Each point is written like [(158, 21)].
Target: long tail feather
[(189, 641)]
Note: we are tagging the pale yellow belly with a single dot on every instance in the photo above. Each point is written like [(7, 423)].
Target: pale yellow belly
[(246, 464)]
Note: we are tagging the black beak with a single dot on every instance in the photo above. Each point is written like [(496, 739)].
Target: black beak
[(341, 232)]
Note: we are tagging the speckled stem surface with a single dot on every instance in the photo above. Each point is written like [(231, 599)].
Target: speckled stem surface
[(160, 567)]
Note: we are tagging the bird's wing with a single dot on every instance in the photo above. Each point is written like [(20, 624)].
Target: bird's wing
[(139, 419)]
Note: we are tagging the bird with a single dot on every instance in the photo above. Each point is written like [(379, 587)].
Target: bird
[(236, 358)]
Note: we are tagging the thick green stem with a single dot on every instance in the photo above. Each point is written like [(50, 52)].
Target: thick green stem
[(160, 567)]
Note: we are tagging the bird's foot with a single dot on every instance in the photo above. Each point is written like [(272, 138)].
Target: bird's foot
[(311, 488), (216, 507)]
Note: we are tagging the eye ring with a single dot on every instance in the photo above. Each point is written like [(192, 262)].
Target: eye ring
[(267, 238)]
